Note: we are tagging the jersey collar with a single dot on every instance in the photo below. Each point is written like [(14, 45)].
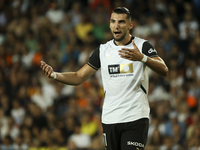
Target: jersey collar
[(126, 43)]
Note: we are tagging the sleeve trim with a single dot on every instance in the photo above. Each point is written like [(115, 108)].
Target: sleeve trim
[(92, 66)]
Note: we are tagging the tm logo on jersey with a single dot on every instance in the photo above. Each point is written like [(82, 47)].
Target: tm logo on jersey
[(120, 68)]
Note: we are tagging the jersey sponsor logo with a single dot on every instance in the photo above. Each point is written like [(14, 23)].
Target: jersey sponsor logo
[(135, 144), (120, 68), (114, 69), (151, 50)]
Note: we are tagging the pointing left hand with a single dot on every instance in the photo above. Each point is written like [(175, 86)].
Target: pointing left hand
[(131, 54)]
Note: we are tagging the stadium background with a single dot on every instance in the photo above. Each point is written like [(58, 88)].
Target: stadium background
[(37, 113)]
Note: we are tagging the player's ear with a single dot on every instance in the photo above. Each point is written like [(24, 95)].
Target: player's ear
[(131, 25)]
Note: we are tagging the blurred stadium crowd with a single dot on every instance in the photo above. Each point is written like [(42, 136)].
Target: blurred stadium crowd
[(38, 113)]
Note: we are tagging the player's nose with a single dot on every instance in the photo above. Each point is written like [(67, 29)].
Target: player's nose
[(116, 26)]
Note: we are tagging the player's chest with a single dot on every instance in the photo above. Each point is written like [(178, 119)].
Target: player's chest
[(112, 63)]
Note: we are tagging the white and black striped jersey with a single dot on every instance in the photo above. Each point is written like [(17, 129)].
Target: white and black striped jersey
[(125, 82)]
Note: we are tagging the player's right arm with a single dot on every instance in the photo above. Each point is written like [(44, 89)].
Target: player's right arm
[(70, 78)]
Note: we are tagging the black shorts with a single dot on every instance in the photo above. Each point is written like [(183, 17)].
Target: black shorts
[(126, 136)]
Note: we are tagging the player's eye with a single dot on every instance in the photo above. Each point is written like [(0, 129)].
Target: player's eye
[(112, 21), (122, 21)]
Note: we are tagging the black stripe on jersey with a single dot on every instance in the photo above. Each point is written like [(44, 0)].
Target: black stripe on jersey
[(94, 60), (149, 50), (143, 89)]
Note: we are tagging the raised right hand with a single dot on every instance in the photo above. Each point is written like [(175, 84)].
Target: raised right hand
[(47, 69)]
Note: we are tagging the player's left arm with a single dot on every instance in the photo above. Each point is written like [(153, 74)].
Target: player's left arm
[(152, 60), (157, 65)]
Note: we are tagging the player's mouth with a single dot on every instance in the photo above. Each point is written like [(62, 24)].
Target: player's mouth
[(117, 33)]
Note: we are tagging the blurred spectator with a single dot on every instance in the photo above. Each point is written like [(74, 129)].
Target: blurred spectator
[(155, 140), (5, 104), (58, 138), (28, 122), (175, 129), (168, 144), (84, 54), (84, 27), (31, 43), (39, 98), (100, 27), (95, 3), (7, 143), (193, 122), (66, 23), (54, 14), (70, 54), (10, 128), (39, 120), (140, 29), (27, 58), (75, 12), (97, 143), (183, 113), (17, 112), (78, 139), (3, 122), (153, 25), (193, 142), (68, 128), (88, 126), (19, 144), (166, 42), (188, 26)]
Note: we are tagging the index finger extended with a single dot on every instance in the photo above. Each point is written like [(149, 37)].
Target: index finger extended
[(42, 63)]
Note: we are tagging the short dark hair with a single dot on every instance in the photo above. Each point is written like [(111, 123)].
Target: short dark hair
[(122, 10)]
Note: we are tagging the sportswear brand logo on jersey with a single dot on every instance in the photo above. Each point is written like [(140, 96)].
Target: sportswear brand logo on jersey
[(108, 55), (151, 51), (120, 68), (135, 144)]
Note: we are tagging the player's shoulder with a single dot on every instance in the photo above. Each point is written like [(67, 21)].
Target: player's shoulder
[(138, 40), (108, 44)]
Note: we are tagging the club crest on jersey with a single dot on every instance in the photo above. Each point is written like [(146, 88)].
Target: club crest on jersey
[(120, 68)]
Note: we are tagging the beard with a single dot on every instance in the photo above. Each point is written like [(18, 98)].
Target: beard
[(119, 38)]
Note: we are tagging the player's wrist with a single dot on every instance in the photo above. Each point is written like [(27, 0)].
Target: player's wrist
[(144, 58), (54, 76)]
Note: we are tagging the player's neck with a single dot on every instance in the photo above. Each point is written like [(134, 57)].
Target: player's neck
[(124, 41)]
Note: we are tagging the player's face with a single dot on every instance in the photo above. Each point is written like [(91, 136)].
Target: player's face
[(120, 26)]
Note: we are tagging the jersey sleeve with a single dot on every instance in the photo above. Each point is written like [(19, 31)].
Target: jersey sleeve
[(149, 50), (94, 60)]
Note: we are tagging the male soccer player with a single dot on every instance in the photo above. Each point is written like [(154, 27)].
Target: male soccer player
[(124, 63)]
